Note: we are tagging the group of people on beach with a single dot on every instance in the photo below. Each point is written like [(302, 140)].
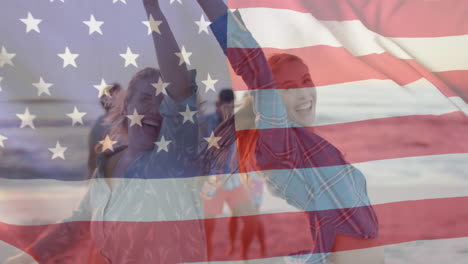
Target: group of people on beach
[(155, 197)]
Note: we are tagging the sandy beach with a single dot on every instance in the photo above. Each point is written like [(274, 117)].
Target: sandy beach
[(40, 202), (35, 207)]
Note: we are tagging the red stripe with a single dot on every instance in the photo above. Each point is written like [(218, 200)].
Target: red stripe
[(335, 65), (285, 233), (393, 18), (456, 81), (376, 139), (399, 137), (415, 220)]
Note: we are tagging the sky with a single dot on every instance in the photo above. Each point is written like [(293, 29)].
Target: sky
[(62, 26)]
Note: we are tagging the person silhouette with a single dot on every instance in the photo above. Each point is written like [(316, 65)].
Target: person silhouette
[(142, 203), (299, 166), (100, 129), (227, 185)]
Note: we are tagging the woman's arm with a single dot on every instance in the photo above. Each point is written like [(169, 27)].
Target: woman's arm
[(278, 145), (166, 49), (213, 8), (248, 61), (59, 239), (274, 146)]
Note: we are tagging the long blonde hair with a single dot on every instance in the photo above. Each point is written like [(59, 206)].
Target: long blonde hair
[(117, 118)]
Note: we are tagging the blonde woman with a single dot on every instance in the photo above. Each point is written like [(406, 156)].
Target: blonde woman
[(142, 205)]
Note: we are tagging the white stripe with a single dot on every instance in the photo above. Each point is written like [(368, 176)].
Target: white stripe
[(404, 179), (437, 54), (393, 180), (370, 99), (288, 29), (460, 103), (7, 250), (438, 251), (453, 250)]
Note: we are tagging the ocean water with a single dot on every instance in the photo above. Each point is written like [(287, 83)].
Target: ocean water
[(26, 153)]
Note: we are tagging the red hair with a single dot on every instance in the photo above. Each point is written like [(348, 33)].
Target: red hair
[(246, 139), (279, 60)]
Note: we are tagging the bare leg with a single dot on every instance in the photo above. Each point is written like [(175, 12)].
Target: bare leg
[(210, 225), (261, 238), (250, 224), (233, 226)]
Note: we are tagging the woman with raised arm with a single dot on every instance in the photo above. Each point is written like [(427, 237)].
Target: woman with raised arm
[(142, 205), (299, 166)]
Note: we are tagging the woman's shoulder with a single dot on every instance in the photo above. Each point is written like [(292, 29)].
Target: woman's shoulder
[(322, 149)]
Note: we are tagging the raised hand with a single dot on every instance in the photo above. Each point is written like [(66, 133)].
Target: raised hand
[(151, 3), (213, 8), (166, 48)]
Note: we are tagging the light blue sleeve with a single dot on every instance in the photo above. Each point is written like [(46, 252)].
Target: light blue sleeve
[(248, 61)]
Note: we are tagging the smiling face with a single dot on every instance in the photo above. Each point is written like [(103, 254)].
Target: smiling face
[(297, 91), (142, 98)]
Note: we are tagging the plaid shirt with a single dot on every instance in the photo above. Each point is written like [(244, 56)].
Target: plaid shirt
[(299, 166)]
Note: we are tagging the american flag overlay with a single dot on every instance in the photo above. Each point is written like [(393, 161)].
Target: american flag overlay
[(234, 131)]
